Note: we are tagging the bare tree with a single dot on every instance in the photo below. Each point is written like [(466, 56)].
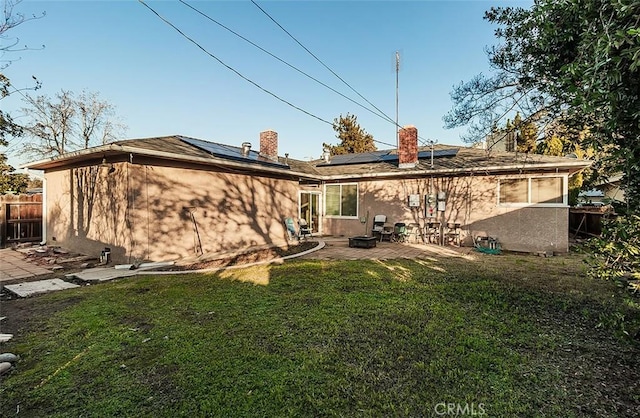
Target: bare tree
[(9, 19), (68, 123), (97, 119)]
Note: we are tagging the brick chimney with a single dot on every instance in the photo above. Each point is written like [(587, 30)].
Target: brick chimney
[(408, 147), (269, 144)]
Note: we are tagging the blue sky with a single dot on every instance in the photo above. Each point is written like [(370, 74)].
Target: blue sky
[(161, 84)]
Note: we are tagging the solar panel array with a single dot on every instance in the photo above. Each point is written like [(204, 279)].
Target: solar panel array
[(230, 152), (383, 156)]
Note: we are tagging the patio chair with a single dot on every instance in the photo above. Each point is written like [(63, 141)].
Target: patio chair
[(399, 232), (291, 229), (432, 232), (305, 229), (379, 229), (414, 232), (452, 234)]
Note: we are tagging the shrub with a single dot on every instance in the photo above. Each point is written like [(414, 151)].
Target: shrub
[(615, 255)]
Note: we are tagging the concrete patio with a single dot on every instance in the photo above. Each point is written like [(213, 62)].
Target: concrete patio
[(15, 266), (337, 248)]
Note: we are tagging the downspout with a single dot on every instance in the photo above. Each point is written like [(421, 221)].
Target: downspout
[(44, 210)]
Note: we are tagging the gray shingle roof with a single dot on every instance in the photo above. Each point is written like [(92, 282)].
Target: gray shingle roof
[(465, 160)]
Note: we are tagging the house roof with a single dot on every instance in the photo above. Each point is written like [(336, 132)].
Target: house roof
[(447, 160)]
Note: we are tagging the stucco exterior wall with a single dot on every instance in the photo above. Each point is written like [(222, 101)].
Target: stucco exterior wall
[(86, 209), (471, 201), (147, 211)]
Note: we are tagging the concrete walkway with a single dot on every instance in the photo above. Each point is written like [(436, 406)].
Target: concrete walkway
[(41, 286), (14, 266)]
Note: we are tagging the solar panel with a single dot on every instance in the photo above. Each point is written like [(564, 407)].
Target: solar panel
[(389, 157), (451, 152), (230, 152), (383, 156)]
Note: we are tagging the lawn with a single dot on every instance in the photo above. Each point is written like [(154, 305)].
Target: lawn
[(509, 335)]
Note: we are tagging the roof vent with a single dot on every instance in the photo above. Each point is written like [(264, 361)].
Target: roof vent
[(326, 155), (246, 147)]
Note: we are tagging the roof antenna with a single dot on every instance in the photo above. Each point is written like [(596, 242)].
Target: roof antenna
[(432, 142), (397, 71)]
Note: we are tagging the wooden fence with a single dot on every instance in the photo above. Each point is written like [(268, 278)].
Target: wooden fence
[(587, 221), (20, 219)]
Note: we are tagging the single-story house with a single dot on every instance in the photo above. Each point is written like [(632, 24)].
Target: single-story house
[(169, 197), (611, 189)]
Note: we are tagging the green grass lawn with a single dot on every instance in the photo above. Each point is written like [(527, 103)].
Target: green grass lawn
[(500, 336)]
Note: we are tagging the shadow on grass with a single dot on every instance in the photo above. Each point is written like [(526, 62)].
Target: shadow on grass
[(371, 338)]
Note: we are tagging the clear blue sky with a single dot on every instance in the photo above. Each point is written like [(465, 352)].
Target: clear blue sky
[(161, 84)]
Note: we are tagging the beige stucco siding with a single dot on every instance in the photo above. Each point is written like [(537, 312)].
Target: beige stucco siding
[(471, 201), (86, 210), (149, 215)]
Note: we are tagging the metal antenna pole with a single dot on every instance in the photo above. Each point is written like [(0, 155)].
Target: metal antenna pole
[(397, 71), (432, 142)]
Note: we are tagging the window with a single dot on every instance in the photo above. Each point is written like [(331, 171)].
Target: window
[(341, 200), (535, 190), (546, 190), (514, 191)]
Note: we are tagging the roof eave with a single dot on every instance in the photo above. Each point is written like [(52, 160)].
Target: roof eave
[(54, 162), (113, 149), (571, 168)]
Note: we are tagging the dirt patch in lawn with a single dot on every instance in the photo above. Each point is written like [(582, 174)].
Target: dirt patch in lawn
[(24, 314)]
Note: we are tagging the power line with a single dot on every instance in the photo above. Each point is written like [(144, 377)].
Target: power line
[(386, 117), (231, 68), (322, 63), (279, 59), (241, 75)]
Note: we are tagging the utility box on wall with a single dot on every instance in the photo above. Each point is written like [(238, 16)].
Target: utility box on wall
[(442, 198), (430, 206)]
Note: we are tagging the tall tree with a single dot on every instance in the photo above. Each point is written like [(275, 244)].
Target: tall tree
[(574, 60), (10, 181), (68, 123), (9, 19), (353, 139)]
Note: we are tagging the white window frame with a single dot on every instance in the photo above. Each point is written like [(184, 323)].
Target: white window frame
[(324, 201), (565, 192)]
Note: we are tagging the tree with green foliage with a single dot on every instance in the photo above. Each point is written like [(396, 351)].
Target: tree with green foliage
[(519, 135), (572, 60), (9, 181), (353, 139), (616, 255), (526, 134)]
